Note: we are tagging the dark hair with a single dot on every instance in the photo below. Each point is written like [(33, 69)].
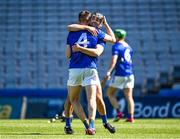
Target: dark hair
[(84, 16)]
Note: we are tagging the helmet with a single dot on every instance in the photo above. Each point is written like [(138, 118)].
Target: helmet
[(120, 33)]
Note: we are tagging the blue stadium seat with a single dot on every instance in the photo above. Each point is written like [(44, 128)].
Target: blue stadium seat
[(33, 33)]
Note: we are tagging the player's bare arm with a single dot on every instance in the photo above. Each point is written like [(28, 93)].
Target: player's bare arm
[(111, 67), (78, 27), (112, 63), (89, 51), (68, 52), (109, 37)]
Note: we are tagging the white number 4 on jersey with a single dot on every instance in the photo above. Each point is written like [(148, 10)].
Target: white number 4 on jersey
[(83, 40)]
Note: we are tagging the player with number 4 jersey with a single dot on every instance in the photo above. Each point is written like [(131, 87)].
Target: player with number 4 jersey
[(87, 40), (83, 72)]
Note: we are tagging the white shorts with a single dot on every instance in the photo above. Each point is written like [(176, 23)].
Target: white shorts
[(121, 82), (83, 77)]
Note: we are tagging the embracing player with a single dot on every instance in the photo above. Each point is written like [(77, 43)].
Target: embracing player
[(96, 20)]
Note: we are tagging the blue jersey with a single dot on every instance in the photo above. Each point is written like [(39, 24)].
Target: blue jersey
[(84, 39), (124, 62)]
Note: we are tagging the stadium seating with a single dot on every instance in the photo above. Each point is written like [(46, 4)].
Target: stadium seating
[(33, 40)]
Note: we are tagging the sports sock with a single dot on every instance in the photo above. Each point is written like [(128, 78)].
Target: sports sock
[(91, 123), (129, 116), (86, 124), (104, 119), (68, 122), (118, 109)]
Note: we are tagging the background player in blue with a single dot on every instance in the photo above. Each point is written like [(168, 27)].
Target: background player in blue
[(96, 21), (123, 77)]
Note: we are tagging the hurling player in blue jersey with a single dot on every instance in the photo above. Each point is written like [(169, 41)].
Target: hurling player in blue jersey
[(82, 72), (123, 77), (97, 20), (93, 52)]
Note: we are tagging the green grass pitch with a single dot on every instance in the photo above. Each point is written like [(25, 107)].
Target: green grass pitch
[(41, 129)]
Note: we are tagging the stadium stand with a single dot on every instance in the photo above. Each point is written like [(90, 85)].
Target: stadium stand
[(33, 39)]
